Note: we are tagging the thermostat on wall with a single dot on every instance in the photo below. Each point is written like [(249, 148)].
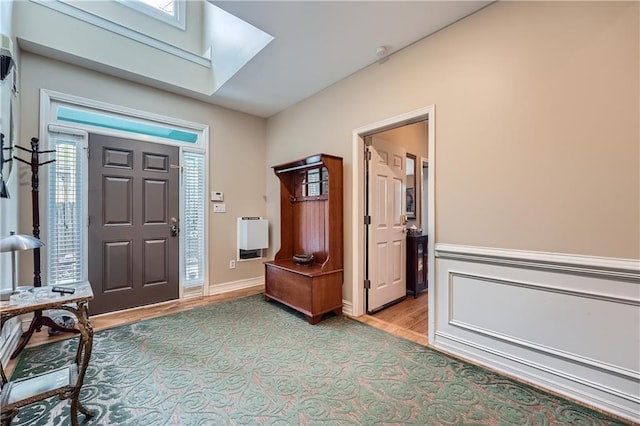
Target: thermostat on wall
[(217, 196)]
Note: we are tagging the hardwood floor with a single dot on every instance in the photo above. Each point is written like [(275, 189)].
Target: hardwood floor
[(407, 319)]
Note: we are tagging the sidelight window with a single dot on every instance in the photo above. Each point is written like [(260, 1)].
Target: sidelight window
[(66, 209), (193, 219)]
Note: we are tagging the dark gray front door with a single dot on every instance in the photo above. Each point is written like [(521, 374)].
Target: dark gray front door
[(133, 199)]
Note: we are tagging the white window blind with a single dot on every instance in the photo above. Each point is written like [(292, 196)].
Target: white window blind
[(66, 211), (193, 221)]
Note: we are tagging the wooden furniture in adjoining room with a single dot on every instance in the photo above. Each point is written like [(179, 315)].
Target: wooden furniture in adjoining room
[(310, 223), (416, 264)]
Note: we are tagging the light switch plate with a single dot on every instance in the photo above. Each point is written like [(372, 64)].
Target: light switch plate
[(219, 208), (217, 196)]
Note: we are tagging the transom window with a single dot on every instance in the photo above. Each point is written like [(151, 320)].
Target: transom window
[(166, 6), (169, 11)]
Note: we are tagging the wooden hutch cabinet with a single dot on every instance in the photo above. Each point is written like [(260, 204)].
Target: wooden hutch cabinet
[(310, 223)]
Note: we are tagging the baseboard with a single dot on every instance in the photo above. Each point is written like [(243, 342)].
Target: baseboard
[(235, 285), (347, 307), (530, 372), (564, 322)]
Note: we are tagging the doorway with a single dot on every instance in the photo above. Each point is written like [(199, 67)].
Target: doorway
[(359, 242), (67, 121), (396, 233), (133, 216)]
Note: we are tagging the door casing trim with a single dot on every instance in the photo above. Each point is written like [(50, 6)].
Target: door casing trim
[(357, 217)]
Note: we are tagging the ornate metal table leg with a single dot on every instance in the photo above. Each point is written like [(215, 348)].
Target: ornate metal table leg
[(83, 354)]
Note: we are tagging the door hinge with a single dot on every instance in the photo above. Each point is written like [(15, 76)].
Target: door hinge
[(367, 284), (88, 152), (367, 220), (367, 155)]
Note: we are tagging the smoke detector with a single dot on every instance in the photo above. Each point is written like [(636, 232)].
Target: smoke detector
[(381, 51)]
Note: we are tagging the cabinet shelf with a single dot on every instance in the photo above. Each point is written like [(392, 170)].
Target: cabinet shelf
[(311, 270), (38, 387), (316, 198)]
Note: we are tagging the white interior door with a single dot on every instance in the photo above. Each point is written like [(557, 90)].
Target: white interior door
[(387, 243)]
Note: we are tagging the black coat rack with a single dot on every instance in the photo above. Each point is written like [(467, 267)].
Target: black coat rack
[(38, 320)]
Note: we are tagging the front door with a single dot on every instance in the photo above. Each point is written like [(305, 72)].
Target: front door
[(133, 203), (387, 243)]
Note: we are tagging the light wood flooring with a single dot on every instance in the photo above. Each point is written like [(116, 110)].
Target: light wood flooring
[(407, 319)]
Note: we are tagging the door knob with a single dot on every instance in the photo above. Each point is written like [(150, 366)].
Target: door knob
[(174, 227)]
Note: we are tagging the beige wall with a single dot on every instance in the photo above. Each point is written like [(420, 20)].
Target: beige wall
[(537, 127), (413, 138), (236, 142)]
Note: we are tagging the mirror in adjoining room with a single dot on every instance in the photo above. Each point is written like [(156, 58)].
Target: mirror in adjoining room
[(411, 193)]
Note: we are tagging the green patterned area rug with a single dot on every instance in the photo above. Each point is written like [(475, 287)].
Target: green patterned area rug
[(247, 361)]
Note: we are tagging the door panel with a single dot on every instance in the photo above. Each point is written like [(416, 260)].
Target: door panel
[(155, 202), (117, 188), (133, 196), (387, 244), (117, 266), (155, 257)]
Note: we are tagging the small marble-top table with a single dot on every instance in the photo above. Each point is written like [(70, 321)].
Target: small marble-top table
[(64, 382)]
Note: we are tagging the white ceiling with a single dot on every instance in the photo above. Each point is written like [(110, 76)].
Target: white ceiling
[(317, 43)]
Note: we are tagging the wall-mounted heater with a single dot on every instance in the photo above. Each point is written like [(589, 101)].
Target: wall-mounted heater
[(253, 237)]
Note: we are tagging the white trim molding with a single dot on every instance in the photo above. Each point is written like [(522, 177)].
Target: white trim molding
[(560, 262), (347, 307), (357, 218), (235, 285), (562, 321)]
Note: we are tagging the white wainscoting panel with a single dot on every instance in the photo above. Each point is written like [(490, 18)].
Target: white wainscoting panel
[(568, 323)]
